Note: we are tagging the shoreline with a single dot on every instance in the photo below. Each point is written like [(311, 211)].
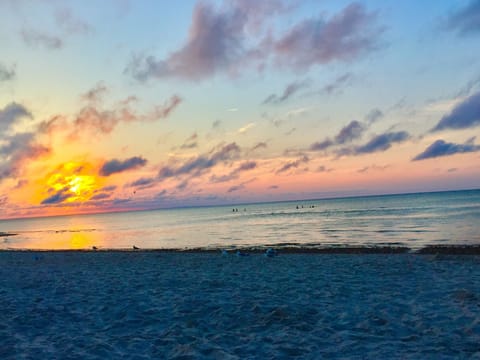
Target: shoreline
[(280, 250)]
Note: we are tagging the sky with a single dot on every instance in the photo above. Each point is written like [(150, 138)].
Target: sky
[(127, 105)]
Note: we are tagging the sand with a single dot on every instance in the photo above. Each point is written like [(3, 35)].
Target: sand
[(142, 305)]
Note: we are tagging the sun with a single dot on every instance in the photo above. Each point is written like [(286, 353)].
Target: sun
[(82, 187), (77, 182)]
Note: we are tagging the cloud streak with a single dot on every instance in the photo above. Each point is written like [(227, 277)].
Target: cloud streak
[(350, 132), (465, 21), (336, 85), (292, 164), (190, 142), (35, 38), (382, 142), (245, 166), (289, 91), (198, 165)]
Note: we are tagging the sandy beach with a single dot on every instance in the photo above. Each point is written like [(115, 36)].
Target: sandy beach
[(142, 305)]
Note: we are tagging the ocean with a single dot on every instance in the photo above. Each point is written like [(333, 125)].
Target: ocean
[(411, 220)]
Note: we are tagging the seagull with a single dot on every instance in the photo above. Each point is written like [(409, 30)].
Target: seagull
[(94, 248), (135, 248)]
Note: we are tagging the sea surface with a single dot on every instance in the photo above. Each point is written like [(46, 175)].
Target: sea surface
[(411, 220)]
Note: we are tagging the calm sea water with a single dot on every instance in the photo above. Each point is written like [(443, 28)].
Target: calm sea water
[(413, 220)]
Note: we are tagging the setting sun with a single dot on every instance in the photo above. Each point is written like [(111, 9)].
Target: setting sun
[(72, 182)]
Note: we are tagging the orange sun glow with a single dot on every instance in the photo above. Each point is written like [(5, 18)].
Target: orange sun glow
[(76, 180)]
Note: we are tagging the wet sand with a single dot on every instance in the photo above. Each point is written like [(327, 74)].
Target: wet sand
[(194, 304)]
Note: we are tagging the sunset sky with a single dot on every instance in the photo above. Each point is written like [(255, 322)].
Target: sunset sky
[(123, 105)]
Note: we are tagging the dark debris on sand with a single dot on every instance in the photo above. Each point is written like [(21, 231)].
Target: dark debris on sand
[(450, 250)]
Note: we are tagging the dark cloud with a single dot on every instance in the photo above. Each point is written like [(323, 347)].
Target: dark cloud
[(162, 194), (236, 188), (230, 37), (442, 148), (466, 20), (336, 85), (293, 164), (197, 165), (464, 115), (372, 168), (6, 74), (240, 186), (350, 132), (182, 185), (290, 90), (346, 36), (116, 166), (35, 38), (382, 142), (143, 182), (10, 115), (322, 145), (260, 145), (373, 116), (245, 166), (15, 150), (163, 111), (100, 196), (108, 188), (57, 198), (323, 168)]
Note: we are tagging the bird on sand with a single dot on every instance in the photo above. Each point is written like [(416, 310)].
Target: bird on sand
[(135, 248), (94, 248)]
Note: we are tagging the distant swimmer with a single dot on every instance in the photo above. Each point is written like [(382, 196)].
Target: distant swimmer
[(240, 253), (135, 248)]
